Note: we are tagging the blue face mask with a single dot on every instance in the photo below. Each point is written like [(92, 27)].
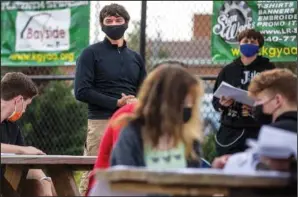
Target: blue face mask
[(249, 50)]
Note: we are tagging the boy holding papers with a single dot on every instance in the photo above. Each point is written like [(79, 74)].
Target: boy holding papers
[(275, 93), (237, 123)]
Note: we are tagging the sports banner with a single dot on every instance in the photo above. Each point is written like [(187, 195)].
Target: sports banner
[(276, 20), (43, 33)]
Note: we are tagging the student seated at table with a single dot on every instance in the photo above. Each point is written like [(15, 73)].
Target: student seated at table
[(275, 93), (17, 92), (112, 131), (164, 132)]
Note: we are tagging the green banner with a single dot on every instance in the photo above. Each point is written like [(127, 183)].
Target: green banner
[(276, 20), (43, 33)]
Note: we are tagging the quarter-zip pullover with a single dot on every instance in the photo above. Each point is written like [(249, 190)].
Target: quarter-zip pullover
[(103, 72)]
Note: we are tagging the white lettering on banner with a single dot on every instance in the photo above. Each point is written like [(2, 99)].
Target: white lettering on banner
[(277, 17), (228, 28), (64, 4), (36, 5), (271, 24), (276, 11), (19, 5), (233, 18), (273, 4), (43, 30)]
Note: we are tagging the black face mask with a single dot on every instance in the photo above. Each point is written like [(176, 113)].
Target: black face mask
[(187, 111), (115, 32), (260, 116)]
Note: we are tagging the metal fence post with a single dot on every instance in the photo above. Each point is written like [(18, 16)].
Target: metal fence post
[(143, 30)]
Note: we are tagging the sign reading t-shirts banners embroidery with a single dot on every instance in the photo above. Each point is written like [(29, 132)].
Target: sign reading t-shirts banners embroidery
[(276, 20), (43, 33)]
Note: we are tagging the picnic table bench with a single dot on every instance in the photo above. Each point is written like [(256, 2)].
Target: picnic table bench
[(59, 167), (196, 182)]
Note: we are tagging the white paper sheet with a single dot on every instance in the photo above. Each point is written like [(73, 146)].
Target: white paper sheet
[(237, 94), (275, 143), (244, 164)]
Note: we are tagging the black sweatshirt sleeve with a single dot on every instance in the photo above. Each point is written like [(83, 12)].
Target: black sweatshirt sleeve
[(84, 90), (215, 101), (143, 71)]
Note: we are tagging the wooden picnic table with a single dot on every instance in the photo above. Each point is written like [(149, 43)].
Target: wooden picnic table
[(59, 167), (195, 182)]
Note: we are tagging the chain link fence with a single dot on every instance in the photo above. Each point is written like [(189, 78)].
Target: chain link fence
[(178, 30)]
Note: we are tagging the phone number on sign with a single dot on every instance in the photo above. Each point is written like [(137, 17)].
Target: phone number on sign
[(281, 38), (42, 57)]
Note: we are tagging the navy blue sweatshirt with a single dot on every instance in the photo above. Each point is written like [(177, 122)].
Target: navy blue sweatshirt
[(103, 72), (239, 75)]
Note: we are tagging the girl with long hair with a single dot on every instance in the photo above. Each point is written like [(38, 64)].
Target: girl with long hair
[(165, 129)]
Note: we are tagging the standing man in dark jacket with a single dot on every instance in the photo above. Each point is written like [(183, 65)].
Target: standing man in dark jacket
[(237, 123), (108, 75)]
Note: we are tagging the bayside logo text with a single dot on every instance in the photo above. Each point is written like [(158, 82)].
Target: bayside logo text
[(46, 30)]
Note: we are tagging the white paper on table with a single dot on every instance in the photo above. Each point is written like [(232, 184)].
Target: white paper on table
[(245, 164), (241, 163), (102, 188), (237, 94), (275, 143)]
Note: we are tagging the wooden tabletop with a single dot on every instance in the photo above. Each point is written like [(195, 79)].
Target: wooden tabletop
[(59, 167), (47, 159), (197, 177)]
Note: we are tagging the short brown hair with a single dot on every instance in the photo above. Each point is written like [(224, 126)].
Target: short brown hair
[(113, 10), (281, 81), (17, 83), (251, 34)]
